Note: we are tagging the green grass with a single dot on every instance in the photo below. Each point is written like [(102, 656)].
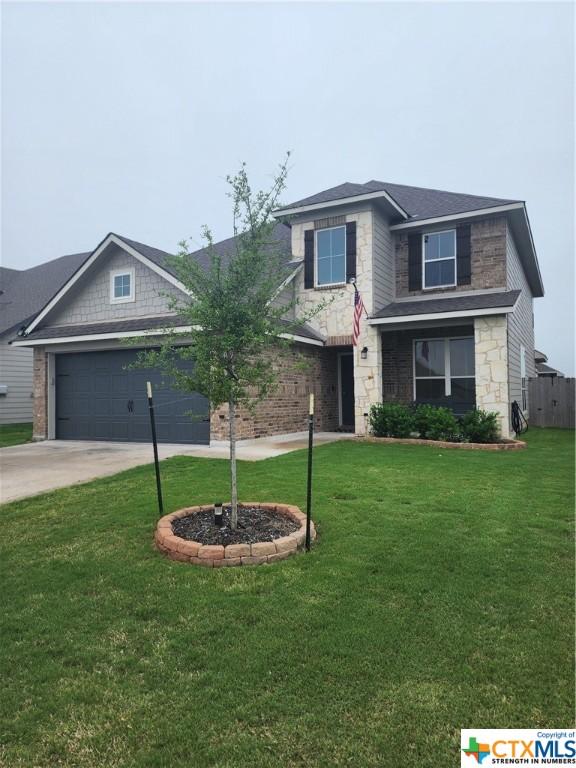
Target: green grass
[(15, 434), (439, 595)]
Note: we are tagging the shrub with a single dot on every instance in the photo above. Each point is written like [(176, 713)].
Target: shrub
[(480, 426), (436, 423), (391, 420)]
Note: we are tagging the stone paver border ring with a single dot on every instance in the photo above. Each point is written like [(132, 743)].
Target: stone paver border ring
[(217, 556)]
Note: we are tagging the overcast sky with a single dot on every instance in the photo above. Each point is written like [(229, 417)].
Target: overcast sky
[(126, 117)]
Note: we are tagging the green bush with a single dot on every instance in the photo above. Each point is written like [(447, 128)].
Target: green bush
[(391, 420), (480, 426), (436, 423)]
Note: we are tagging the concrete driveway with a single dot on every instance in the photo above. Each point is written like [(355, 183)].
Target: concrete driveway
[(26, 470)]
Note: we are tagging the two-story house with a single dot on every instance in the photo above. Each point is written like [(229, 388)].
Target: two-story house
[(447, 281)]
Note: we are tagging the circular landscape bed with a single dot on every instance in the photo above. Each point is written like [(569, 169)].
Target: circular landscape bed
[(265, 533)]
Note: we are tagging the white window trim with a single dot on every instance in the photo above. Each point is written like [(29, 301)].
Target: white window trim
[(328, 285), (118, 273), (523, 380), (434, 261), (447, 373)]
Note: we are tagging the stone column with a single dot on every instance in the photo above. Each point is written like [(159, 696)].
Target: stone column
[(367, 375), (491, 361), (40, 386)]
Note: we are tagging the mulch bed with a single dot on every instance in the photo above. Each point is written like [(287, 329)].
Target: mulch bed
[(254, 525)]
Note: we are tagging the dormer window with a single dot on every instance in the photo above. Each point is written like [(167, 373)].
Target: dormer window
[(331, 256), (121, 286), (439, 262)]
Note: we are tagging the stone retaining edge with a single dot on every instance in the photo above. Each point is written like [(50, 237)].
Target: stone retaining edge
[(505, 445), (218, 556)]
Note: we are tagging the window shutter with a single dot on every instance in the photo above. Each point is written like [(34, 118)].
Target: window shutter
[(350, 250), (463, 255), (309, 258), (415, 262)]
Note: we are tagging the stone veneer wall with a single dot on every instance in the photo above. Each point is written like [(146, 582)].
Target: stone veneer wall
[(488, 255), (286, 409), (40, 389), (491, 360), (491, 364), (335, 320)]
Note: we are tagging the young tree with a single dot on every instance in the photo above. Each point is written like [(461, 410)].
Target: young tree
[(231, 309)]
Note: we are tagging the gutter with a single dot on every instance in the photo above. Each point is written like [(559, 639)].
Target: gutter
[(395, 319)]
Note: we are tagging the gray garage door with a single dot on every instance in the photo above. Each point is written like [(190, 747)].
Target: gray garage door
[(98, 399)]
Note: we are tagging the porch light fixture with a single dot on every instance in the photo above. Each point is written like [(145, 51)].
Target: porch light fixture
[(364, 353)]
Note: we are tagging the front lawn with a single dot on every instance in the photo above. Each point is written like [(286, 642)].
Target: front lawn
[(14, 434), (439, 596)]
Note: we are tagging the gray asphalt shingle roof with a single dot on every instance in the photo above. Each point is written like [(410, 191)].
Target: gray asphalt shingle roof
[(281, 241), (418, 202), (498, 300), (25, 292), (547, 370), (138, 324)]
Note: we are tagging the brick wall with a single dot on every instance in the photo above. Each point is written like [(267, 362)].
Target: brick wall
[(286, 409), (397, 369), (488, 254), (40, 384)]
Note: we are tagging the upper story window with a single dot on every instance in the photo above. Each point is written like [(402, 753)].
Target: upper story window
[(439, 262), (331, 256), (121, 286)]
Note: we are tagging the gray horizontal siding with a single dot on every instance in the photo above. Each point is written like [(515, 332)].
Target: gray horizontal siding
[(16, 373), (89, 300), (384, 286), (520, 322)]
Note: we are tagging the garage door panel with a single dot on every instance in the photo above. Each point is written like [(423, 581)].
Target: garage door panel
[(112, 430), (99, 397)]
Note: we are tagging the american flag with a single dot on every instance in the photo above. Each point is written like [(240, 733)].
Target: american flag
[(358, 309)]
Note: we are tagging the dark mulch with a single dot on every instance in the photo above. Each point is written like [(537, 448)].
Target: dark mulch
[(254, 525)]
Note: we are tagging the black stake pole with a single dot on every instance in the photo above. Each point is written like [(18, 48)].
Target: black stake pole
[(309, 492), (155, 444)]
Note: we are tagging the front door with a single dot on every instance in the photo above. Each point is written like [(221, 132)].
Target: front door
[(347, 390)]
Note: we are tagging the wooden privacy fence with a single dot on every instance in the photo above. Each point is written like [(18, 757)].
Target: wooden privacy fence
[(551, 402)]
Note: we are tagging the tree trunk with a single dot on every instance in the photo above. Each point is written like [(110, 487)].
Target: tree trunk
[(233, 483)]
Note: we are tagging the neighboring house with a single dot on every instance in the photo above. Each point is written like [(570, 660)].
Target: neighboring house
[(540, 360), (23, 293), (447, 280)]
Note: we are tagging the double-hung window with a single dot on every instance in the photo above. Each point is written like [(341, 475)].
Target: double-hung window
[(444, 368), (121, 286), (439, 262), (331, 256)]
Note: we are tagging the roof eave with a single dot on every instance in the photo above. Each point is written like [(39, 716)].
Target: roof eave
[(441, 316), (296, 210), (522, 231)]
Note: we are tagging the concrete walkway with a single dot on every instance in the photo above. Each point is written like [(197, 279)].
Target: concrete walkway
[(33, 468)]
